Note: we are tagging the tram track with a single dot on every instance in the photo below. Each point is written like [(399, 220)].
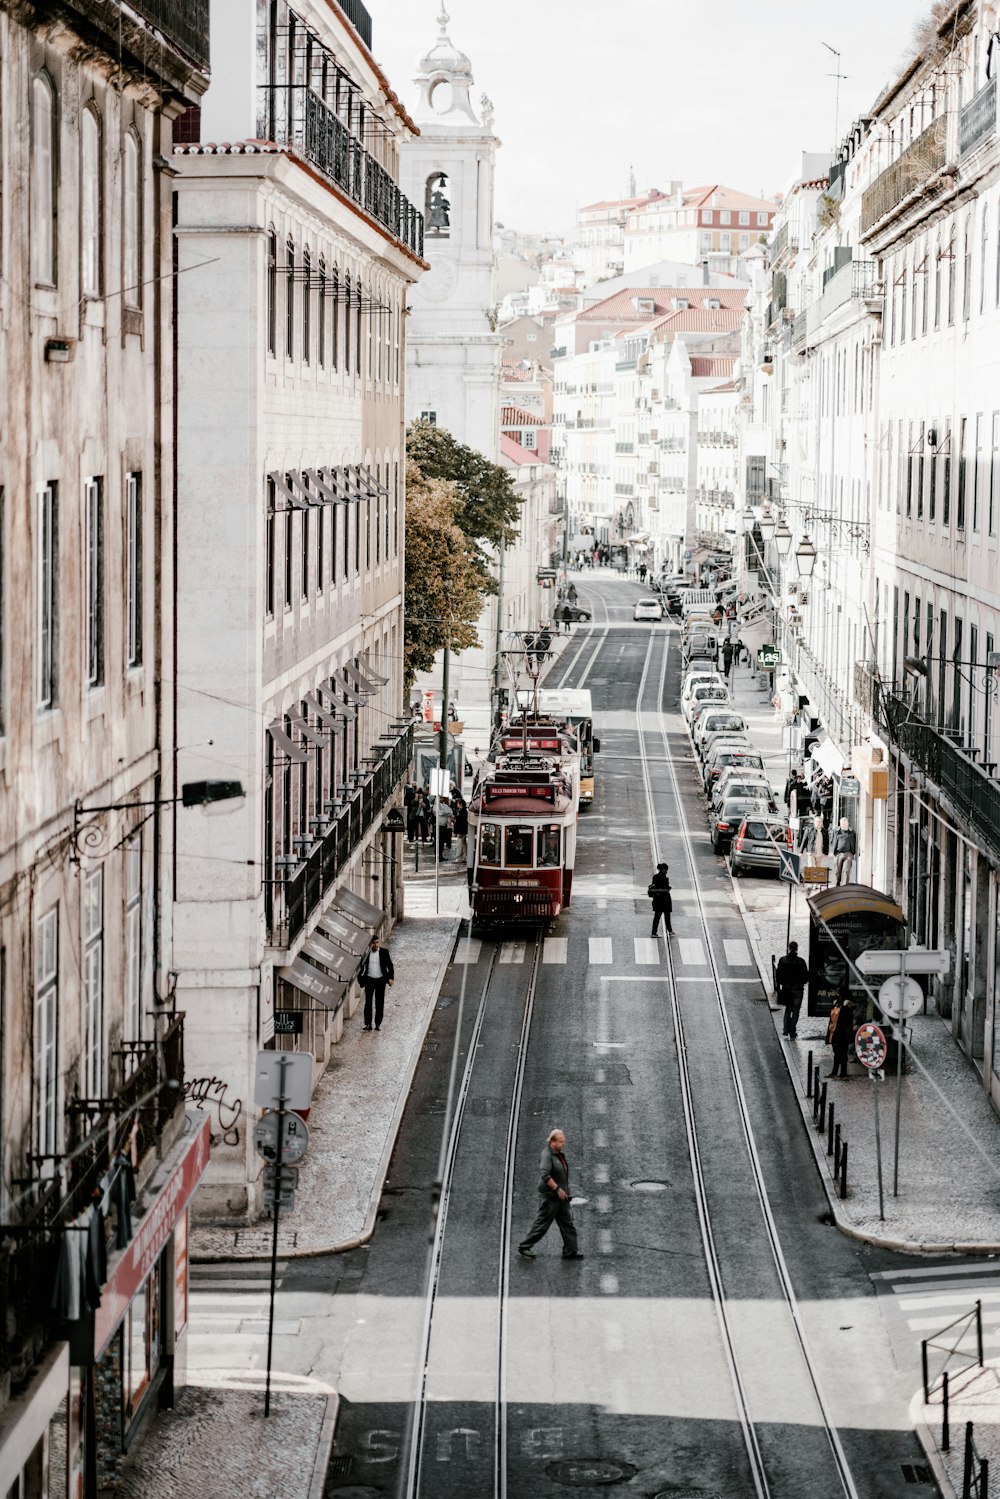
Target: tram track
[(570, 666), (458, 1101), (758, 1464)]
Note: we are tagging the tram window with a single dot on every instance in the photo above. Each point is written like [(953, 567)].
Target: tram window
[(548, 845), (518, 847), (489, 843)]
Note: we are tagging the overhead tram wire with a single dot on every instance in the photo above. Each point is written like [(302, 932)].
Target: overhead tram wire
[(844, 1475)]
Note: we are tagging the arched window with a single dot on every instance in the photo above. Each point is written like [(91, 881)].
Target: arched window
[(290, 299), (437, 207), (44, 178), (306, 305), (132, 222), (272, 292), (91, 204), (321, 315)]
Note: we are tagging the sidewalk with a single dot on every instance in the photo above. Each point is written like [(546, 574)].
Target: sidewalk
[(949, 1188)]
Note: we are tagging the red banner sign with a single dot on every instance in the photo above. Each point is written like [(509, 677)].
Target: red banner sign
[(497, 792), (128, 1269)]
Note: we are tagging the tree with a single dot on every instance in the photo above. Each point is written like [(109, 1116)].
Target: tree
[(488, 508), (444, 588)]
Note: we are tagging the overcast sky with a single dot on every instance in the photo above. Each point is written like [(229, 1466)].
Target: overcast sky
[(728, 91)]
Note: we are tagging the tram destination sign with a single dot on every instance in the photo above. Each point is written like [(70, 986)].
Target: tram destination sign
[(498, 792)]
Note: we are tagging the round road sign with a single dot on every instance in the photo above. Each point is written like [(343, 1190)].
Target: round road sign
[(900, 997), (294, 1143), (869, 1044)]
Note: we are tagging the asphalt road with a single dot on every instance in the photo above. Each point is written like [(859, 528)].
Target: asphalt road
[(617, 1368)]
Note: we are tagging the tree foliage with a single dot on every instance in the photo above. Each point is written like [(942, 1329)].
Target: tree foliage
[(489, 506), (444, 587)]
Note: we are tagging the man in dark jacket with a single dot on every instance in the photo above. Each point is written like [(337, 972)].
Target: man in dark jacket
[(553, 1185), (845, 846), (376, 973), (663, 905), (791, 979)]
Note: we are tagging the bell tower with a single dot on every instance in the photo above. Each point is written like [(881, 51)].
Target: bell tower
[(453, 350)]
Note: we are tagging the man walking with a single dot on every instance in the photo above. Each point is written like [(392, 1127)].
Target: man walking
[(845, 846), (658, 891), (378, 972), (790, 980), (727, 659), (553, 1185)]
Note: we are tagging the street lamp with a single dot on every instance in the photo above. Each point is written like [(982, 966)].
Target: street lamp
[(767, 524), (805, 558), (782, 539), (89, 838)]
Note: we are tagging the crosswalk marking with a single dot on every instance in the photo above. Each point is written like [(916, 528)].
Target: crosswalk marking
[(737, 952), (512, 952), (691, 950), (554, 950), (930, 1301), (469, 950), (600, 950), (647, 949)]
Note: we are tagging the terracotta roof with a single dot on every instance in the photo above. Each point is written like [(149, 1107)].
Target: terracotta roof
[(514, 453), (705, 366), (654, 195), (720, 390), (710, 320), (621, 306), (515, 416), (516, 372), (728, 197)]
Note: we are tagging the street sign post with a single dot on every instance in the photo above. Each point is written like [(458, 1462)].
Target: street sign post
[(900, 997), (291, 1071), (789, 870), (281, 1135), (870, 1047), (887, 960)]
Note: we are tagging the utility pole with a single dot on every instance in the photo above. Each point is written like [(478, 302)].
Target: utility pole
[(498, 632), (443, 732)]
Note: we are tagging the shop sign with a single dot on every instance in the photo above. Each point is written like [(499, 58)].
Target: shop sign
[(850, 786), (288, 1022), (181, 1272), (768, 656), (130, 1267)]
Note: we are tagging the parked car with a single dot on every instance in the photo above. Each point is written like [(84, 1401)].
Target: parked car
[(734, 738), (756, 844), (715, 722), (759, 787), (647, 609), (730, 754), (704, 693), (726, 819)]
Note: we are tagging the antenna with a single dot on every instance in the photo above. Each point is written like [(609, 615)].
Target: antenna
[(836, 105)]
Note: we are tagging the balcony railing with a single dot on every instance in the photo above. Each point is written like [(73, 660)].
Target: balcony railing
[(295, 116), (359, 18), (291, 900), (715, 438), (149, 1093), (784, 240), (918, 162), (978, 119), (624, 447), (972, 793)]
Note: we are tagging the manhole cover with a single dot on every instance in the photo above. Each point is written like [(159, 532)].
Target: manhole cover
[(650, 1186), (589, 1472)]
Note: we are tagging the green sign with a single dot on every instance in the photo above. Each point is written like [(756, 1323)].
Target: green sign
[(768, 656)]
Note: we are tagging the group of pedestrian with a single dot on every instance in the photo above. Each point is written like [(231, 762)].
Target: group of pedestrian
[(444, 818), (812, 803), (790, 980)]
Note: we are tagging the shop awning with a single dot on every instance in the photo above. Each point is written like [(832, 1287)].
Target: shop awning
[(285, 744), (349, 692), (285, 484), (309, 979), (330, 717), (638, 538), (343, 964), (359, 681), (307, 730), (830, 758), (348, 936), (325, 482), (362, 910), (369, 671)]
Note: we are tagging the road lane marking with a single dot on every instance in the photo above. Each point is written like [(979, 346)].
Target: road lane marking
[(609, 1284), (600, 950), (554, 950), (647, 949), (737, 952), (512, 952), (469, 950), (691, 950)]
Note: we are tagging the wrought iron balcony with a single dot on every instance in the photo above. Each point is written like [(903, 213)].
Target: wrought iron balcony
[(292, 898), (918, 162), (974, 795), (149, 1092), (359, 18), (784, 241), (295, 116), (624, 447), (977, 120)]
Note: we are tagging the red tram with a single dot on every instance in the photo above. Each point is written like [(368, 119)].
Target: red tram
[(522, 826)]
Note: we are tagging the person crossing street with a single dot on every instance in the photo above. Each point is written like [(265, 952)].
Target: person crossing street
[(659, 893), (553, 1185)]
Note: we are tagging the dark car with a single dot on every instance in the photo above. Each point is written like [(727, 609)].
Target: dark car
[(730, 755), (727, 819), (757, 842), (575, 613)]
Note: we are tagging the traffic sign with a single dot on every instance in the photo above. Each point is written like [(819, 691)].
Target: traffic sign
[(294, 1137), (288, 1072), (899, 998), (289, 1176), (904, 960), (789, 866), (270, 1199), (869, 1044)]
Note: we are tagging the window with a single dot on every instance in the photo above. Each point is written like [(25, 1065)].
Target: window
[(321, 316), (932, 488), (333, 545), (304, 549), (946, 479), (320, 544), (132, 222), (937, 282), (358, 349), (307, 291), (272, 292), (952, 274), (133, 569), (548, 845), (92, 927), (962, 477), (984, 240), (46, 596), (925, 293), (904, 293), (909, 470), (370, 360), (93, 562), (489, 843), (518, 851), (44, 178), (91, 192), (430, 417), (762, 219), (368, 535), (395, 510), (725, 217), (993, 503), (395, 343), (270, 539), (529, 439), (967, 269), (46, 1034), (920, 475), (335, 333), (347, 324), (290, 300), (706, 216), (977, 472), (288, 559), (744, 216)]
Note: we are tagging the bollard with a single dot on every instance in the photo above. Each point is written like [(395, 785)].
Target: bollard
[(836, 1153), (829, 1132), (815, 1098), (809, 1075), (843, 1172), (945, 1428), (822, 1107)]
